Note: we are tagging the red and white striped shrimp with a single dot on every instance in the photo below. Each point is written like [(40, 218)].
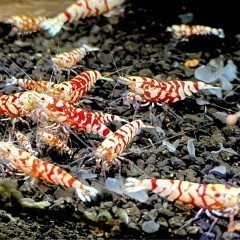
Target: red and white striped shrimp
[(64, 113), (113, 146), (152, 91), (107, 117), (52, 141), (71, 91), (183, 32), (31, 103), (25, 24), (67, 60), (17, 104), (29, 84), (222, 200), (79, 10), (44, 170), (24, 142)]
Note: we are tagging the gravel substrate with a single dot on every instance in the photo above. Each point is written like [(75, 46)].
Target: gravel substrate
[(143, 49)]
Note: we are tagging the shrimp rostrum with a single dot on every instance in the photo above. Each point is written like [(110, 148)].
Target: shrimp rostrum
[(217, 199)]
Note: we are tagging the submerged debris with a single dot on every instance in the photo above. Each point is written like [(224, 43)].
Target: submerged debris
[(216, 71), (191, 148), (222, 148), (113, 217)]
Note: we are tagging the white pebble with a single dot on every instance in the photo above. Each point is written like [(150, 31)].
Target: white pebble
[(150, 226), (220, 169)]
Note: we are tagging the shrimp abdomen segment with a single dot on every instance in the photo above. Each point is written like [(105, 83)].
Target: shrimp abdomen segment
[(114, 145), (207, 196)]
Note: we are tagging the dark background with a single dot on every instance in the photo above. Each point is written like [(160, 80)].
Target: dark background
[(220, 14)]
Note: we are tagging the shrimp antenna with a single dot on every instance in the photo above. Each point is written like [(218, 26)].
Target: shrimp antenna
[(18, 67), (79, 139), (115, 65), (147, 61), (86, 155), (177, 135), (5, 71), (7, 84), (217, 106)]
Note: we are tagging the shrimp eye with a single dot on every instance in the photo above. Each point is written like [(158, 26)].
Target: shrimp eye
[(43, 98), (62, 88)]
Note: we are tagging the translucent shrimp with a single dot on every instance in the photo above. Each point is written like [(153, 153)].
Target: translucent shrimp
[(52, 141)]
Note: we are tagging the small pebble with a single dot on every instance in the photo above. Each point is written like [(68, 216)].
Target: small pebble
[(150, 226)]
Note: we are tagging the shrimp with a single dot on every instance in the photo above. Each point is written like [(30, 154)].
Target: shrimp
[(113, 146), (79, 10), (52, 141), (29, 84), (107, 117), (44, 170), (69, 91), (152, 91), (220, 199), (25, 143), (17, 104), (183, 31), (64, 113), (33, 104), (67, 60), (25, 24)]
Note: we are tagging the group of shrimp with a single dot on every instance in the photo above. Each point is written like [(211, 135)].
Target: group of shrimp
[(56, 106), (82, 9), (50, 102), (79, 10)]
